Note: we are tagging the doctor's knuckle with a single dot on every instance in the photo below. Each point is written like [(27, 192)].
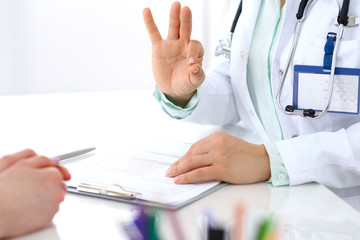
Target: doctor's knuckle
[(220, 153), (201, 172), (220, 142), (190, 162), (218, 134)]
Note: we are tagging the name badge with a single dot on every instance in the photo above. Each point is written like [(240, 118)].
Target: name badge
[(311, 89)]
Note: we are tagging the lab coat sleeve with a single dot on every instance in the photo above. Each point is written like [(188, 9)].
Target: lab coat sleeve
[(279, 175), (216, 104), (329, 158), (173, 110)]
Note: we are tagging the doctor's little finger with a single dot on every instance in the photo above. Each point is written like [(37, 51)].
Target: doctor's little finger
[(185, 23)]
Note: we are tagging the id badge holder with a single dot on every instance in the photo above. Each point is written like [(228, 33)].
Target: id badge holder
[(311, 85)]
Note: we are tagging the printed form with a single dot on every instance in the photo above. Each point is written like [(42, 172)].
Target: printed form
[(142, 171)]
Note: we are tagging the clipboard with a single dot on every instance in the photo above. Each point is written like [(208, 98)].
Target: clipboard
[(120, 197), (138, 177)]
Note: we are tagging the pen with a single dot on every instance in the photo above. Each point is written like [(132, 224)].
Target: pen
[(74, 154)]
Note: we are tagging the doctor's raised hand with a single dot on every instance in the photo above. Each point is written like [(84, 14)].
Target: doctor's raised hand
[(176, 60), (178, 73)]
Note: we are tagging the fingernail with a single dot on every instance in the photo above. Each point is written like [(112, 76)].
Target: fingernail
[(196, 69), (55, 159), (191, 60), (168, 172), (177, 179)]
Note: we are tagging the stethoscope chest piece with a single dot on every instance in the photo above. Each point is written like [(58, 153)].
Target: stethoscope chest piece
[(224, 47)]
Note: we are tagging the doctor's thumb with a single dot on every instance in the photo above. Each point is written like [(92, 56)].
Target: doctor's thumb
[(197, 75)]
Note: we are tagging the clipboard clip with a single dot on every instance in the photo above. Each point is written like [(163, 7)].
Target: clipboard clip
[(106, 191)]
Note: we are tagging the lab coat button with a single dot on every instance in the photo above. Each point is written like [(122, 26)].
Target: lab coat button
[(242, 54), (281, 176), (281, 72)]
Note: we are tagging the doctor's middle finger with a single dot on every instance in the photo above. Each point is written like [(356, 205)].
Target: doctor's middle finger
[(189, 164)]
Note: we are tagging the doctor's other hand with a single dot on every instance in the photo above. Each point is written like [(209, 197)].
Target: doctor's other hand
[(31, 189), (222, 157), (176, 60)]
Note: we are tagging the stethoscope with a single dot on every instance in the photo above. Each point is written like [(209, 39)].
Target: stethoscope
[(224, 48)]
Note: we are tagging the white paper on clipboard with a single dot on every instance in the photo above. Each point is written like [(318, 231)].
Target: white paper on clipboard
[(141, 171)]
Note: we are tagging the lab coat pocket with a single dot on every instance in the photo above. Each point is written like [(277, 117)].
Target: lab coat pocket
[(312, 53), (330, 122), (349, 54)]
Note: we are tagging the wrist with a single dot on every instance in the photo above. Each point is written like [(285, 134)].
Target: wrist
[(265, 159), (180, 101)]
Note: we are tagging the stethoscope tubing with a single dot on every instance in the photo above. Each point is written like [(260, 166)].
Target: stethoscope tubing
[(342, 20), (225, 49)]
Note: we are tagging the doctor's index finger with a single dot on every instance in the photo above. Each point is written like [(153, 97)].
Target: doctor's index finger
[(196, 51), (151, 27)]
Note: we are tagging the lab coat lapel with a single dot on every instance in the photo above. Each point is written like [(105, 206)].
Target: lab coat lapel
[(239, 58)]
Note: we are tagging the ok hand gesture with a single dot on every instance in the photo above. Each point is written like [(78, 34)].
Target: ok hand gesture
[(176, 60)]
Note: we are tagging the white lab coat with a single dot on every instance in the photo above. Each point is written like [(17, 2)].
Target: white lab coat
[(325, 150)]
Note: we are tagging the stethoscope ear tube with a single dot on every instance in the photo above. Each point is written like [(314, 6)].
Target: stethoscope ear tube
[(301, 9), (237, 15), (343, 15)]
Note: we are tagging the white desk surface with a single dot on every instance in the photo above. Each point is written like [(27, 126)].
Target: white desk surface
[(116, 121)]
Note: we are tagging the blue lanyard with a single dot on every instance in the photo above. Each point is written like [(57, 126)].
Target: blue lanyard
[(329, 50)]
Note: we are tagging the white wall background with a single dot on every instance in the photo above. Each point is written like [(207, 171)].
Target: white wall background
[(90, 45)]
